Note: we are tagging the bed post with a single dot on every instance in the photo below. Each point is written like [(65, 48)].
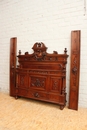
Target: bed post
[(13, 51)]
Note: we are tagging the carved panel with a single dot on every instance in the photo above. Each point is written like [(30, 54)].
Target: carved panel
[(56, 83), (38, 82), (23, 80)]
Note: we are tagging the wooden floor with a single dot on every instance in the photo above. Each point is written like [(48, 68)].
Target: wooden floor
[(25, 114)]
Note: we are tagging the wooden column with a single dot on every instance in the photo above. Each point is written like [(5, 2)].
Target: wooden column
[(74, 69), (13, 50)]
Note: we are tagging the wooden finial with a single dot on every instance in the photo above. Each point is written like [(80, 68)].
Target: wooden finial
[(65, 51), (19, 52)]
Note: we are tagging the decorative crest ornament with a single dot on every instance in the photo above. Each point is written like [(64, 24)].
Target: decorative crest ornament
[(39, 50)]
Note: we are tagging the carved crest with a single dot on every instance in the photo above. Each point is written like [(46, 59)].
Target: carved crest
[(39, 50)]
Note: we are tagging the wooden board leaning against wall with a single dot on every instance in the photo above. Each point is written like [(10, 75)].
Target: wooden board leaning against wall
[(74, 69)]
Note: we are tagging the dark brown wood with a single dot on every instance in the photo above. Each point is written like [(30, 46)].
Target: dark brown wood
[(74, 70), (42, 76), (13, 50)]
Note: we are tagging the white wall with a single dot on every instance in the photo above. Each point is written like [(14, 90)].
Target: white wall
[(48, 21)]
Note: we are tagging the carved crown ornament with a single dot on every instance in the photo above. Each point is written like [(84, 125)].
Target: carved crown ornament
[(39, 50), (40, 53)]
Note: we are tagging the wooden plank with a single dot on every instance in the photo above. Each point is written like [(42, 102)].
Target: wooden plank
[(74, 69), (13, 51)]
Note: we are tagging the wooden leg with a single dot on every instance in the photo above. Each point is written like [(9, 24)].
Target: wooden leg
[(16, 97), (61, 107)]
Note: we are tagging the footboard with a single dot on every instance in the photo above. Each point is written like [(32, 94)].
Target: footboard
[(42, 76)]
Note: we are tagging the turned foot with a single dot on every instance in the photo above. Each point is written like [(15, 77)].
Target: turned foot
[(16, 97), (62, 107)]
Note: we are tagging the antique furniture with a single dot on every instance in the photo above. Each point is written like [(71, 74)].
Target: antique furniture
[(74, 69), (42, 76)]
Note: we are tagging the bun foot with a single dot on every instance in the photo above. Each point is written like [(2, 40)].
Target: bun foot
[(16, 97), (62, 107)]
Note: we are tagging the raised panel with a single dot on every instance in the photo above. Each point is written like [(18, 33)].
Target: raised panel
[(55, 84), (37, 82), (23, 80)]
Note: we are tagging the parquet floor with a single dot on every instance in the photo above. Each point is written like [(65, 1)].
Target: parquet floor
[(26, 114)]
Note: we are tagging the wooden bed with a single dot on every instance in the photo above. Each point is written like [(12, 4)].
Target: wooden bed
[(40, 75)]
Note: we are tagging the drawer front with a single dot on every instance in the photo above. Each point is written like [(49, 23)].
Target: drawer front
[(38, 95)]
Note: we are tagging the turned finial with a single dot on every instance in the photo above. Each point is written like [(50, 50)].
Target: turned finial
[(19, 52), (65, 51)]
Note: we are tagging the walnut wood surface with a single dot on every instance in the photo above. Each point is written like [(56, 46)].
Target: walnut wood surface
[(74, 70), (13, 50), (42, 76)]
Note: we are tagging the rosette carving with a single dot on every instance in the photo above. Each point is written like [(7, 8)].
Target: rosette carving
[(74, 70)]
